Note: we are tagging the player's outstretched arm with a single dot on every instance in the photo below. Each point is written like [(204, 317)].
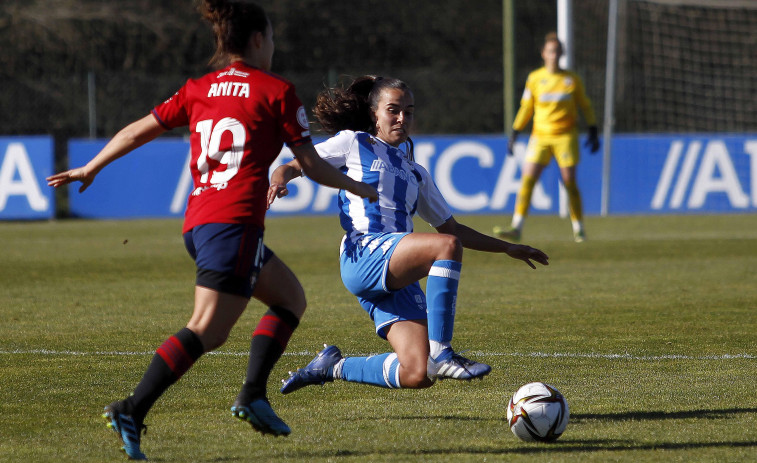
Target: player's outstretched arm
[(279, 179), (473, 239), (322, 172), (127, 139), (527, 254)]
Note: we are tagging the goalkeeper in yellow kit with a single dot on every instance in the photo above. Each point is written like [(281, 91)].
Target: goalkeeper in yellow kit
[(552, 96)]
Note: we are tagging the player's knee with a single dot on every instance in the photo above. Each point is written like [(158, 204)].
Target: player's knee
[(449, 247), (415, 376), (416, 380)]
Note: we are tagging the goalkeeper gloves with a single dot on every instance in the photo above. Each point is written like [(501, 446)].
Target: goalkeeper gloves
[(511, 142), (593, 141)]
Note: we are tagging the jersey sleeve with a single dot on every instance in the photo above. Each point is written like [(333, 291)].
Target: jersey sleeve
[(336, 149), (431, 204), (584, 103), (526, 109), (172, 113), (294, 119)]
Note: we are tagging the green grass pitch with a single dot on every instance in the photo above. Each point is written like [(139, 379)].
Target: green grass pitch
[(649, 329)]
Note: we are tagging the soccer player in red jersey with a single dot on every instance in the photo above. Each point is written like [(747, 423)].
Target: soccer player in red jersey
[(239, 118)]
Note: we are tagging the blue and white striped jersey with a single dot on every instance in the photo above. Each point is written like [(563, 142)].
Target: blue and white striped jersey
[(404, 187)]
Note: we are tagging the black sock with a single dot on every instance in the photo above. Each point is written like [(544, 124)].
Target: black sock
[(172, 359), (268, 343)]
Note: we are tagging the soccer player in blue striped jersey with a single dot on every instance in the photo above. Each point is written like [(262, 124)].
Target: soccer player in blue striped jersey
[(381, 258)]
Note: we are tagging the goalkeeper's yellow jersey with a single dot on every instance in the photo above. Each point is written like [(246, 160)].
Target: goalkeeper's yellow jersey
[(553, 100)]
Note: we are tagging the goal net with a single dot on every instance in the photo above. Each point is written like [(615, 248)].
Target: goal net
[(682, 65)]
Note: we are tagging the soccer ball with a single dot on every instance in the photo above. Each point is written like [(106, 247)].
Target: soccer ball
[(537, 412)]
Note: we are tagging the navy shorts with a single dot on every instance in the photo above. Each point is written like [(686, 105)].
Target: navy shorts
[(228, 256)]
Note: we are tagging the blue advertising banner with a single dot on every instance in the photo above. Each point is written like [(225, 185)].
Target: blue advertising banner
[(683, 174), (24, 164), (473, 173), (649, 174), (145, 183)]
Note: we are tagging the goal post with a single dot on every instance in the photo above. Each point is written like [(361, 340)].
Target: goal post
[(609, 104), (665, 66)]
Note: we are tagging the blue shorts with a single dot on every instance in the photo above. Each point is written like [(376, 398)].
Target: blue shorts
[(228, 256), (364, 264), (408, 303)]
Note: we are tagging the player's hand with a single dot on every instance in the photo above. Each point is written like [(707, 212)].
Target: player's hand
[(276, 190), (593, 141), (80, 174), (527, 254), (365, 191), (511, 143)]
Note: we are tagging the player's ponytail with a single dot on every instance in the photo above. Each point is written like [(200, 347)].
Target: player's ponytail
[(233, 24), (345, 108)]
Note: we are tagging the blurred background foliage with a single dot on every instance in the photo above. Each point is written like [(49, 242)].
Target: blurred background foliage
[(141, 51), (681, 67)]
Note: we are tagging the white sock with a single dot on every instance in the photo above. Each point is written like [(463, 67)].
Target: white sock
[(517, 222), (338, 369), (437, 347), (578, 226)]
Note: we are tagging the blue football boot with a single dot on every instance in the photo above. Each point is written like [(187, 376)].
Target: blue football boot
[(127, 428), (318, 371), (261, 417)]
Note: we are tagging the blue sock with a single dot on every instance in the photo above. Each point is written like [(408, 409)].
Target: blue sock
[(379, 370), (441, 297)]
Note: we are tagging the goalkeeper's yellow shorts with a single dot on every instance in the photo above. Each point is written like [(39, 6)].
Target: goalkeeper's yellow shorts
[(563, 147)]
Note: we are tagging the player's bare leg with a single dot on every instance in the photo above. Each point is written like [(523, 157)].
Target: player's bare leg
[(278, 288)]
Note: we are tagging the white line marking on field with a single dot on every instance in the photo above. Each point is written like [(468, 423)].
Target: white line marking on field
[(708, 236), (483, 354), (623, 356)]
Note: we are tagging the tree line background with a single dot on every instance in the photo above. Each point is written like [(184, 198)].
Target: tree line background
[(142, 51), (449, 51)]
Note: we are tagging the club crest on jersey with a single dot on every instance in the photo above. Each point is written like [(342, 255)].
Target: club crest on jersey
[(302, 117)]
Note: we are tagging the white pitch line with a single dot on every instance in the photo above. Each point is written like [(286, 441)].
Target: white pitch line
[(623, 356), (590, 355), (707, 236)]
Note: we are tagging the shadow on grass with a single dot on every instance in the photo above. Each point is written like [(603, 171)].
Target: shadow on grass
[(583, 417), (652, 415), (564, 445), (439, 417), (561, 446)]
